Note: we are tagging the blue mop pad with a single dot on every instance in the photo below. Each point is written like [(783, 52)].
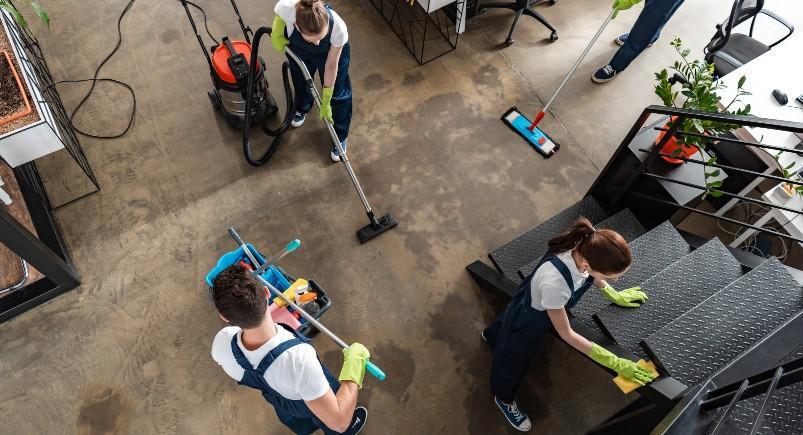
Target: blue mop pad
[(537, 138)]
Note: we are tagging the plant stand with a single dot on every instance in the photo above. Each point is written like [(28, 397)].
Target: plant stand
[(429, 28), (51, 130)]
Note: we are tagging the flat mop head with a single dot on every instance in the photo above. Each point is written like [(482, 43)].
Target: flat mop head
[(536, 138), (372, 230)]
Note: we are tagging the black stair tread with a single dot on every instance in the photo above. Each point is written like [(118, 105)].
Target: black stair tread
[(784, 410), (623, 222), (714, 332), (652, 252), (530, 245), (673, 291)]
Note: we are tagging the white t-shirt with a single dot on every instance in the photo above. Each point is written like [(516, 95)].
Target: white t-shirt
[(548, 287), (286, 10), (296, 374)]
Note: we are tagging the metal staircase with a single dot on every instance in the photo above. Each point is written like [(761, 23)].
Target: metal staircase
[(725, 328)]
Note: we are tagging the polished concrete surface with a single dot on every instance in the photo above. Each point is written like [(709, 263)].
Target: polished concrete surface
[(128, 351)]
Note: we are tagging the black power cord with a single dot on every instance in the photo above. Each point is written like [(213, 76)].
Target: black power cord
[(95, 80)]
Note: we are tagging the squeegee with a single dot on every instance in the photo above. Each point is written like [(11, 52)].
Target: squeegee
[(529, 130)]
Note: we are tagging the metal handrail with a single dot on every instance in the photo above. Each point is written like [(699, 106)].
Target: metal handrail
[(735, 141), (728, 168)]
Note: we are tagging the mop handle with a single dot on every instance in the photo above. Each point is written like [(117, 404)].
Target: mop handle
[(292, 246), (369, 366), (574, 67)]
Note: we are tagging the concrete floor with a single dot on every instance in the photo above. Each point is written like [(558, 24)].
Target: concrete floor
[(128, 351)]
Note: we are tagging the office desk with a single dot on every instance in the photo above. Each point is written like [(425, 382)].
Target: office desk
[(780, 68)]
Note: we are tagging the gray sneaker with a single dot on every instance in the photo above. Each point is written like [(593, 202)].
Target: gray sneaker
[(621, 39)]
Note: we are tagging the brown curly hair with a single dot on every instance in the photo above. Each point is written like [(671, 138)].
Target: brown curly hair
[(239, 297)]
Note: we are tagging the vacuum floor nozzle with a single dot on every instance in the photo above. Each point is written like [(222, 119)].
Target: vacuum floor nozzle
[(371, 230)]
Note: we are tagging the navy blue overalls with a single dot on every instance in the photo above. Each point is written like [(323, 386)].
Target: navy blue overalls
[(314, 56), (293, 413), (514, 335)]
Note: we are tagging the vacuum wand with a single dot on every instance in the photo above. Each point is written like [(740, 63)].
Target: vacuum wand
[(369, 366), (343, 157), (377, 225), (541, 114)]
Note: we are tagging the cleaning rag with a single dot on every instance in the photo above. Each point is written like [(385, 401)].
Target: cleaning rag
[(628, 386)]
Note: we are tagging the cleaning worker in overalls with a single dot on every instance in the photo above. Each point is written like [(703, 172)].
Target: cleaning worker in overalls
[(279, 362), (319, 37), (576, 260)]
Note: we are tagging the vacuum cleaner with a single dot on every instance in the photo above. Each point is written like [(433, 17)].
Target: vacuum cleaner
[(241, 94)]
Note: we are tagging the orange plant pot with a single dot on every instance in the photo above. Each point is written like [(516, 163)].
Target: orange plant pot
[(27, 110), (671, 146)]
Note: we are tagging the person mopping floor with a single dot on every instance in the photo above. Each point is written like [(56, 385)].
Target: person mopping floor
[(319, 37), (645, 32), (279, 362), (576, 259)]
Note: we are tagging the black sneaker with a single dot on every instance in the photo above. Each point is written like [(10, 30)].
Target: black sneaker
[(357, 420), (298, 119), (514, 416), (604, 74)]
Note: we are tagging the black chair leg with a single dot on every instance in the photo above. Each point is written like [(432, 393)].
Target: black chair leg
[(520, 10), (532, 13), (509, 39)]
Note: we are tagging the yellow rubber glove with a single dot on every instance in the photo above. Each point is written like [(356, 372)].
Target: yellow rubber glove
[(624, 367), (354, 359), (628, 298), (326, 104), (620, 5), (277, 38)]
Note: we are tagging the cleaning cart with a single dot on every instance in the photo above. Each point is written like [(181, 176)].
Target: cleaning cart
[(280, 279)]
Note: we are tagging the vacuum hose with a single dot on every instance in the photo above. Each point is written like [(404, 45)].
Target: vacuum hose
[(289, 111)]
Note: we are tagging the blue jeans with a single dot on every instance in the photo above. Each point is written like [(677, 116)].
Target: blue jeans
[(645, 31)]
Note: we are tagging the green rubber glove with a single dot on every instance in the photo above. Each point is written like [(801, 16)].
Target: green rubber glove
[(624, 367), (354, 359), (620, 5), (326, 104), (277, 38), (629, 297)]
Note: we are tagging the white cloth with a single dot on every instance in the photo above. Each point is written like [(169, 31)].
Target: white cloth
[(296, 374), (286, 10), (548, 287)]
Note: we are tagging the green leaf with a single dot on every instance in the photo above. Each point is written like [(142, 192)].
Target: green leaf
[(41, 13), (790, 166), (715, 193), (713, 173), (741, 82), (14, 13), (717, 183), (677, 152)]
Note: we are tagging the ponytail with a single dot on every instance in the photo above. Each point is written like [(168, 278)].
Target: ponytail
[(605, 250), (311, 16)]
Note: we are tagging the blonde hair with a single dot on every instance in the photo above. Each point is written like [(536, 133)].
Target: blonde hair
[(311, 16)]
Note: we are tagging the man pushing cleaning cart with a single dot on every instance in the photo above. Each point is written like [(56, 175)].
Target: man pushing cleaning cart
[(261, 353)]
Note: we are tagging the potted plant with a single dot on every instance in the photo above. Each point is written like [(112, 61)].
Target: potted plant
[(698, 91), (41, 13), (14, 102)]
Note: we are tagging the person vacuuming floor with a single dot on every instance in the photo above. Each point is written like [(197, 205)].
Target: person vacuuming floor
[(273, 358), (319, 37), (580, 257)]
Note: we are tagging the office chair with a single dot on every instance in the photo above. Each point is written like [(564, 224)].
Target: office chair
[(728, 50), (522, 7)]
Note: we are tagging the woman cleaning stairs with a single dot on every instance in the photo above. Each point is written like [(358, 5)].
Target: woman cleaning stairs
[(580, 257)]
